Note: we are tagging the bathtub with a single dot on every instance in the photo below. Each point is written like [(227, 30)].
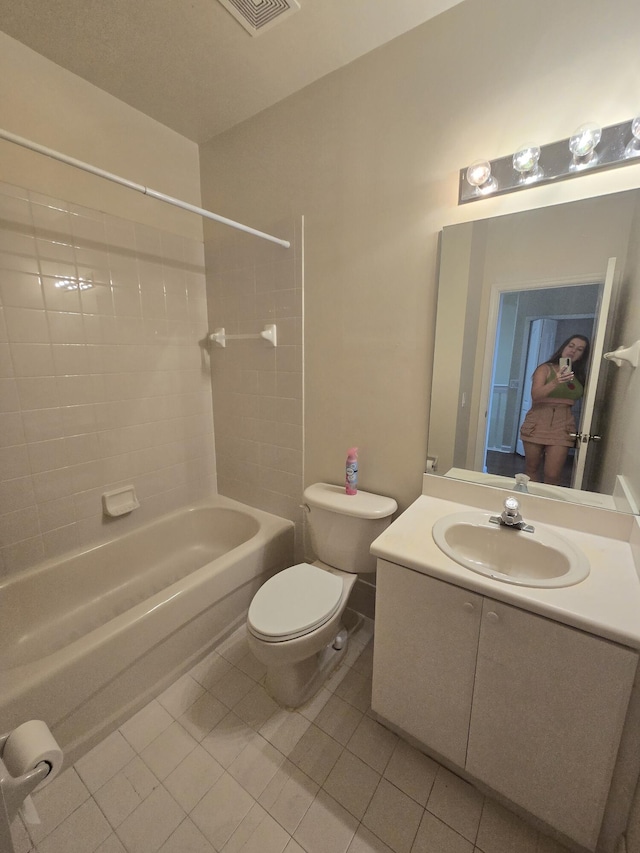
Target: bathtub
[(89, 638)]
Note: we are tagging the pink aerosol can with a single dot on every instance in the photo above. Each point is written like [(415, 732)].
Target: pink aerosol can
[(351, 472)]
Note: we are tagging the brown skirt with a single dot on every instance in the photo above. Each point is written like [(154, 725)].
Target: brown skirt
[(549, 425)]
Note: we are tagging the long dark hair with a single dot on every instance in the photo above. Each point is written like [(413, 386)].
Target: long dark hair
[(580, 366)]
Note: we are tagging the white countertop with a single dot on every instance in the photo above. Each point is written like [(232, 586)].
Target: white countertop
[(606, 603)]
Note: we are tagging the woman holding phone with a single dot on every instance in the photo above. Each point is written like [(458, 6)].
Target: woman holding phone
[(546, 430)]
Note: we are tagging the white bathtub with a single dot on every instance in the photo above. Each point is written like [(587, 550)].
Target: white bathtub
[(89, 638)]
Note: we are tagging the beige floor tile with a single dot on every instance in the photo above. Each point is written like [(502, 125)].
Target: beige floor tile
[(248, 825), (284, 729), (104, 761), (148, 827), (56, 801), (232, 687), (355, 688), (210, 670), (364, 841), (393, 816), (124, 792), (364, 662), (251, 666), (373, 743), (258, 833), (457, 803), (434, 836), (167, 751), (256, 765), (193, 778), (315, 754), (336, 677), (256, 707), (181, 695), (501, 831), (187, 839), (111, 845), (84, 830), (146, 725), (221, 811), (411, 771), (312, 708), (339, 719), (227, 740), (205, 713), (293, 847), (288, 796), (326, 827), (352, 783)]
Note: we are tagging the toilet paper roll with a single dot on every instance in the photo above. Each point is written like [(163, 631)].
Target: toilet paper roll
[(27, 746)]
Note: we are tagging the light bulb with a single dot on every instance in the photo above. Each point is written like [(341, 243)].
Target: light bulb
[(584, 139), (526, 158), (479, 173)]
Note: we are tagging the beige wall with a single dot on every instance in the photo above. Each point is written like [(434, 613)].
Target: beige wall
[(370, 155), (48, 105)]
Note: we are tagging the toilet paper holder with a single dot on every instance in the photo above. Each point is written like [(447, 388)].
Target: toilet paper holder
[(15, 789)]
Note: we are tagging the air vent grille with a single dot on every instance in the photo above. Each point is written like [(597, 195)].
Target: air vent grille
[(256, 16)]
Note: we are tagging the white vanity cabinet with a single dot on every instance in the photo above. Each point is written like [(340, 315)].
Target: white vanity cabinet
[(530, 707)]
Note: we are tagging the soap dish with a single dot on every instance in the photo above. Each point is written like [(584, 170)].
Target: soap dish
[(120, 501)]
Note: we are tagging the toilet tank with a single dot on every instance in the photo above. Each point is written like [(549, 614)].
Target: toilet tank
[(342, 527)]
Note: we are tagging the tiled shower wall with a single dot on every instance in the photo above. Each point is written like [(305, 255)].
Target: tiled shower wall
[(104, 376), (258, 389)]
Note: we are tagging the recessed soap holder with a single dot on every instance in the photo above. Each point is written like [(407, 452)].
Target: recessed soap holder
[(120, 501)]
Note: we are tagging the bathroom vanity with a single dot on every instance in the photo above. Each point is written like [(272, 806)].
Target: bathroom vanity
[(528, 691)]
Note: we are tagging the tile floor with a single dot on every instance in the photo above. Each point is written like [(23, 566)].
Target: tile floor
[(213, 764)]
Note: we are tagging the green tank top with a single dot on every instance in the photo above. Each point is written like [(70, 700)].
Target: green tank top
[(572, 390)]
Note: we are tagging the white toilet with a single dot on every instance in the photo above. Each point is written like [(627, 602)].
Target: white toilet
[(294, 624)]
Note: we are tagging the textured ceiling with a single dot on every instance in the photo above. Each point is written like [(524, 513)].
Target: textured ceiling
[(190, 65)]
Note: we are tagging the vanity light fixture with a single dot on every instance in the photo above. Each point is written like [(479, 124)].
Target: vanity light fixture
[(525, 160), (479, 176), (589, 149), (633, 148), (585, 140)]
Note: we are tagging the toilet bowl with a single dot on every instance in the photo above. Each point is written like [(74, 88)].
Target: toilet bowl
[(295, 620)]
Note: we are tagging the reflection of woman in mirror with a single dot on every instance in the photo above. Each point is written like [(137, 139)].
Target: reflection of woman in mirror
[(546, 429)]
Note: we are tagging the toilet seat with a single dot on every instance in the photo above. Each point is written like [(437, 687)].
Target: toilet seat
[(294, 602)]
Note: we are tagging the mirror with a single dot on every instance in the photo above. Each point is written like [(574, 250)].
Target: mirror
[(539, 276)]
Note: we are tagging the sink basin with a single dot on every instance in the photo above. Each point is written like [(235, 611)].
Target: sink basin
[(542, 558)]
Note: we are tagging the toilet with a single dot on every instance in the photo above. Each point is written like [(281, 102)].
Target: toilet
[(294, 624)]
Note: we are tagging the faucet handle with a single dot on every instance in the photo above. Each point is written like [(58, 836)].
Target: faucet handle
[(511, 506), (511, 512)]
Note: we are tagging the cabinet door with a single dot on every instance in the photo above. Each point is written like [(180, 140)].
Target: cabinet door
[(425, 646), (548, 708)]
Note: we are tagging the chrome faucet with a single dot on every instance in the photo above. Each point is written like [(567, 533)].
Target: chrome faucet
[(511, 517)]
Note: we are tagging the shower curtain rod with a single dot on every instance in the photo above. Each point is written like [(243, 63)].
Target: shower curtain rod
[(87, 167)]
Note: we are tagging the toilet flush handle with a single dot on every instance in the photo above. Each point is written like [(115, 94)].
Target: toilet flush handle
[(305, 507)]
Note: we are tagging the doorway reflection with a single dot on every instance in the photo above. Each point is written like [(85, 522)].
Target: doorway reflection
[(531, 324)]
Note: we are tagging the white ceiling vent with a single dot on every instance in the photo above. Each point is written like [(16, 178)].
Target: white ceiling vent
[(256, 16)]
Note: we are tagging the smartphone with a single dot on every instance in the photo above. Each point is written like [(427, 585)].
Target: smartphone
[(565, 363)]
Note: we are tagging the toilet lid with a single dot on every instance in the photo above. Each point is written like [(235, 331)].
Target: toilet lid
[(294, 602)]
